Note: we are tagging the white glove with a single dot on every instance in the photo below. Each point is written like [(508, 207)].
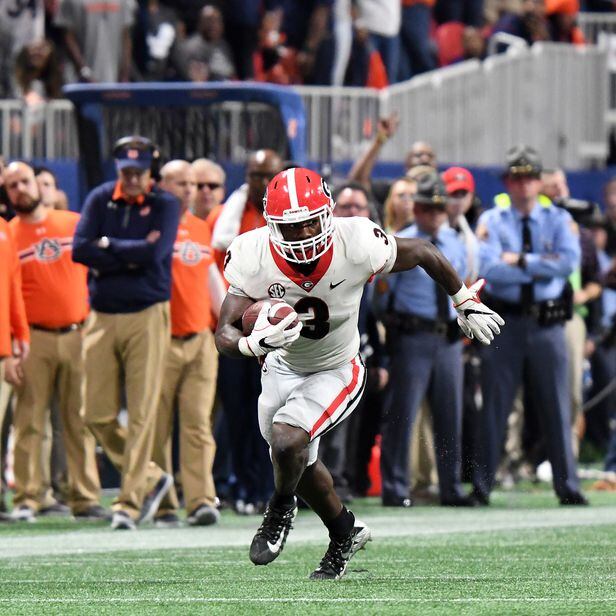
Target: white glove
[(266, 337), (474, 318)]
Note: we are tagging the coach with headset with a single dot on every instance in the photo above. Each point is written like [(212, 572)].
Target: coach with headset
[(125, 236)]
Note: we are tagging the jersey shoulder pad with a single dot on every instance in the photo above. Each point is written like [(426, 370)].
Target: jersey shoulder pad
[(244, 256), (358, 235)]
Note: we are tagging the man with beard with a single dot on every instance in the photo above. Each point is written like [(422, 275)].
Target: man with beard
[(56, 299)]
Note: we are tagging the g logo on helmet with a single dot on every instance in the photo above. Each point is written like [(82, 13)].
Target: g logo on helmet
[(326, 189)]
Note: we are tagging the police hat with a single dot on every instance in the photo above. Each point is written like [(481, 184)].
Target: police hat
[(135, 152), (431, 190), (522, 160)]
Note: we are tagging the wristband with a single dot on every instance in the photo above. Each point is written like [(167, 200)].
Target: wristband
[(381, 138), (244, 347), (461, 296)]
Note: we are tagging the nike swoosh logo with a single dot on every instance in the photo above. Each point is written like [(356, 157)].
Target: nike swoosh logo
[(275, 547), (333, 286), (469, 312)]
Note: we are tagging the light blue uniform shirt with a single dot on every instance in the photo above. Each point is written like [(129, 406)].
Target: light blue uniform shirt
[(608, 297), (555, 251), (413, 290)]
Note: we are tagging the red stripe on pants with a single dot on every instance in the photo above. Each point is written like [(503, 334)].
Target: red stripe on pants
[(338, 400)]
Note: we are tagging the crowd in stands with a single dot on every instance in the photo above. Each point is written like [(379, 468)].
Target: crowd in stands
[(48, 43)]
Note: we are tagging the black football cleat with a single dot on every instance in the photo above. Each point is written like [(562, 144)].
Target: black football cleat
[(272, 534), (574, 498), (333, 565)]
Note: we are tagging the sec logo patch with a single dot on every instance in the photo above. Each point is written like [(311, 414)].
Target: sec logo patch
[(276, 291)]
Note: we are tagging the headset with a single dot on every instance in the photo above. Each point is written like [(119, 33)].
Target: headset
[(140, 143)]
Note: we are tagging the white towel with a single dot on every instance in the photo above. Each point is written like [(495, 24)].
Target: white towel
[(227, 226)]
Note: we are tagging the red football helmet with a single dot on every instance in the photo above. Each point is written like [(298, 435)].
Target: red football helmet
[(298, 195)]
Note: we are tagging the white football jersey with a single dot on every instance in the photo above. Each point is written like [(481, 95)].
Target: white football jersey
[(327, 301)]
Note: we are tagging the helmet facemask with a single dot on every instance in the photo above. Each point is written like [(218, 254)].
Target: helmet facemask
[(306, 250)]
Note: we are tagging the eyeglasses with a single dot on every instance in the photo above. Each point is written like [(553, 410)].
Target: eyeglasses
[(210, 185), (351, 206)]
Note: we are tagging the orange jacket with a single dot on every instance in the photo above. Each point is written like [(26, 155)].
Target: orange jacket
[(13, 320), (54, 287)]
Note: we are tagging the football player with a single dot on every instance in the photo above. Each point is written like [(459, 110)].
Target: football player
[(312, 375)]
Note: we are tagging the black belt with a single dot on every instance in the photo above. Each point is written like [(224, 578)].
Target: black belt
[(186, 337), (549, 312), (407, 323), (58, 330)]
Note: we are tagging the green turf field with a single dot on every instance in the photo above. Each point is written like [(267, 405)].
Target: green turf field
[(523, 555)]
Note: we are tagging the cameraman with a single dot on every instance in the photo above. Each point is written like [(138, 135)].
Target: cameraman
[(585, 282)]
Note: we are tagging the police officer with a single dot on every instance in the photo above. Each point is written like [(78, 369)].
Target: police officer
[(528, 248), (426, 358), (125, 236)]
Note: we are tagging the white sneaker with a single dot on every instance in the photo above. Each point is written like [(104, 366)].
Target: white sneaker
[(23, 513), (122, 521)]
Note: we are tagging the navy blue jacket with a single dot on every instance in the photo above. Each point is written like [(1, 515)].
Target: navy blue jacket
[(131, 274)]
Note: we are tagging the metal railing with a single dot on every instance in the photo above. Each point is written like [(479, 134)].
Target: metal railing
[(552, 96), (42, 131), (600, 29)]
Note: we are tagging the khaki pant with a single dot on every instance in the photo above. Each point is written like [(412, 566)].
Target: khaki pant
[(190, 381), (423, 462), (133, 346), (54, 364), (575, 336), (54, 458)]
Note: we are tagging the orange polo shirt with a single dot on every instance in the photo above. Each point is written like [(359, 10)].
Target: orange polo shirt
[(13, 320), (190, 291), (251, 219), (54, 287)]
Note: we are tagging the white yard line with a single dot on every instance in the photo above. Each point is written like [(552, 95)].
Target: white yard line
[(418, 524), (264, 600)]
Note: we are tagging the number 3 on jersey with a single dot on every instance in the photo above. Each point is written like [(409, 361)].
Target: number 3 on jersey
[(317, 326)]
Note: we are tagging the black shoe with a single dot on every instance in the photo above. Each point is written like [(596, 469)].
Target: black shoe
[(167, 520), (333, 565), (57, 510), (203, 515), (460, 501), (152, 501), (481, 500), (397, 501), (574, 498), (94, 512), (272, 534)]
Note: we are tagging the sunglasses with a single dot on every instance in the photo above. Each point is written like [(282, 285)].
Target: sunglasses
[(210, 185)]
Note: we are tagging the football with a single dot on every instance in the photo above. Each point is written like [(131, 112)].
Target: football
[(278, 311)]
